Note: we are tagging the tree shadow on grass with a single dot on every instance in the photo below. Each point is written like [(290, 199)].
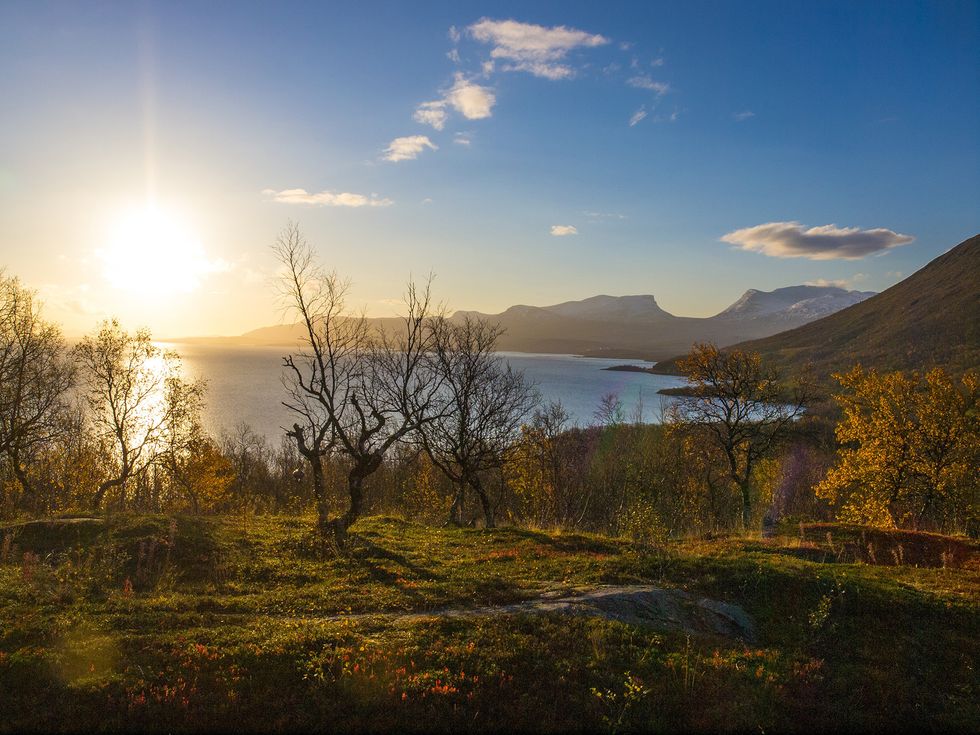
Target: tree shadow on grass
[(568, 543)]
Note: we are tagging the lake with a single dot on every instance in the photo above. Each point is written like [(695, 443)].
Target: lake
[(244, 385)]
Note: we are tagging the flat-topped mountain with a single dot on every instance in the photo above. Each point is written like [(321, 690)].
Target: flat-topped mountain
[(632, 326)]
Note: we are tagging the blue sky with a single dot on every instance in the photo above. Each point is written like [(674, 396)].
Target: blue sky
[(858, 115)]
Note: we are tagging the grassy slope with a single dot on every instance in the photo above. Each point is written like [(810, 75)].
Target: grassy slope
[(223, 629), (930, 318)]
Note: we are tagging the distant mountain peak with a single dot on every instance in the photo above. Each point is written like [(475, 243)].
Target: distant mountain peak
[(793, 302)]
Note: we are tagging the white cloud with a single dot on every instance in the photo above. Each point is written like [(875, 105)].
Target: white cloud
[(472, 101), (432, 113), (563, 230), (659, 61), (454, 34), (645, 82), (829, 242), (325, 198), (462, 139), (408, 148), (538, 50), (637, 116), (745, 115), (453, 55)]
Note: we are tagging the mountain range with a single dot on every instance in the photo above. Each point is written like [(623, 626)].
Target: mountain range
[(632, 326), (932, 318)]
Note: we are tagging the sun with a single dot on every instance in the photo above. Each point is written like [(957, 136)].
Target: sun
[(153, 252)]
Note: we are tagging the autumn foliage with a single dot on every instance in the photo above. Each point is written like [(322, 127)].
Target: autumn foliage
[(909, 450)]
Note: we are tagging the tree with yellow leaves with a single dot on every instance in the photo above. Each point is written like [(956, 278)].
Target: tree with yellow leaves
[(741, 408), (909, 450)]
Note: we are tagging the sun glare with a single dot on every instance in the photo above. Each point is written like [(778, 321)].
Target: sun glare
[(152, 252)]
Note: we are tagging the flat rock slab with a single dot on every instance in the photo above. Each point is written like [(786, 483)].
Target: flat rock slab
[(665, 609)]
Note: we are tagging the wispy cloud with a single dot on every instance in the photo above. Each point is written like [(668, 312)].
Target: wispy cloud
[(645, 82), (462, 139), (598, 216), (824, 282), (744, 115), (472, 101), (538, 50), (829, 242), (325, 198), (408, 148), (839, 282), (637, 116), (432, 113), (563, 230)]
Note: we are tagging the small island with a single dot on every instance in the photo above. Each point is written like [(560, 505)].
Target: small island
[(630, 369)]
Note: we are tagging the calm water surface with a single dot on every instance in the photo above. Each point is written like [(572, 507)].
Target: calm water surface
[(244, 384)]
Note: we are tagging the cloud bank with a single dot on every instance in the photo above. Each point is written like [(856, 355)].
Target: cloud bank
[(325, 198), (535, 49), (829, 242)]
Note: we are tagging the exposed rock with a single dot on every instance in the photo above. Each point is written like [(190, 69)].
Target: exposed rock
[(665, 609)]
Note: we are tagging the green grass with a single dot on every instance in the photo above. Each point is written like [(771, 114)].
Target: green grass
[(191, 623)]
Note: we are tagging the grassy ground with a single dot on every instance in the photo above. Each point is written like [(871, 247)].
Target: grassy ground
[(191, 623)]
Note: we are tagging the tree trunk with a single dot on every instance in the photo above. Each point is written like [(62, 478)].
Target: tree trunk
[(746, 505), (103, 489), (20, 472), (319, 492), (355, 489), (488, 514), (456, 510)]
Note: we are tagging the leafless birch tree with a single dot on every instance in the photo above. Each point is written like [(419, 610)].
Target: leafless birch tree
[(487, 403), (354, 390)]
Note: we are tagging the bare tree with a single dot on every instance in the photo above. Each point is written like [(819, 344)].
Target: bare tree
[(355, 390), (35, 378), (135, 396), (610, 411), (487, 403), (741, 407)]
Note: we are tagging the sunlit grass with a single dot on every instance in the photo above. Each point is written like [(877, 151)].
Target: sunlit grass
[(217, 627)]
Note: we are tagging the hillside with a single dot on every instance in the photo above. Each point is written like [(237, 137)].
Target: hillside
[(628, 326), (930, 318)]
